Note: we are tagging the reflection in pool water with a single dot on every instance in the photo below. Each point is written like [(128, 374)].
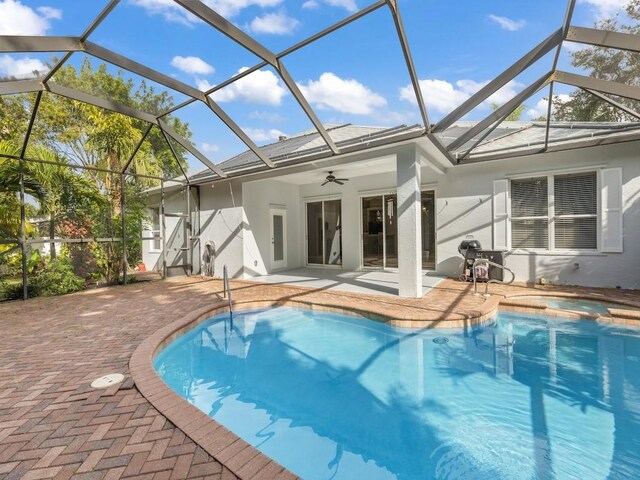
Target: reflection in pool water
[(330, 396)]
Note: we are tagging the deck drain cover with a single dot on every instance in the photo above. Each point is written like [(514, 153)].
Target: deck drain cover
[(441, 340), (107, 380)]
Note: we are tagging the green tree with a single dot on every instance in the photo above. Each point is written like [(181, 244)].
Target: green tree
[(605, 64)]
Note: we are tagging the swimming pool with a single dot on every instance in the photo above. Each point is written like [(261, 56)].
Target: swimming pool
[(578, 304), (334, 397)]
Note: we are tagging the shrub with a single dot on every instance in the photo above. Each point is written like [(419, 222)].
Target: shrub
[(57, 279)]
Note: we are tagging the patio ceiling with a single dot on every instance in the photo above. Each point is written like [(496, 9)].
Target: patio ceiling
[(466, 146)]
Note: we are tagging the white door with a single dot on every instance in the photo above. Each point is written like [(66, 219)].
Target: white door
[(278, 222)]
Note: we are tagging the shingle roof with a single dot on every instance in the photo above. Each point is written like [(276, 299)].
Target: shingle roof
[(306, 143), (509, 136)]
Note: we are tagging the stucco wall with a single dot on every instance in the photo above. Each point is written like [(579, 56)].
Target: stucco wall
[(236, 217), (222, 222), (464, 204), (259, 198)]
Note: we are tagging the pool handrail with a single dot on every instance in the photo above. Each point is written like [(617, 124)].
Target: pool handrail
[(226, 288), (486, 288)]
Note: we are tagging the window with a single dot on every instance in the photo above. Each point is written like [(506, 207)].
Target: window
[(530, 213), (156, 243), (555, 212), (576, 211)]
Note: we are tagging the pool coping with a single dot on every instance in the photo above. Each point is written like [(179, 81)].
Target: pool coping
[(241, 458)]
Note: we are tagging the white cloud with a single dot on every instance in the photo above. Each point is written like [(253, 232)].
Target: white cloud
[(310, 4), (203, 84), (542, 107), (349, 5), (209, 147), (51, 13), (345, 96), (168, 9), (18, 19), (20, 67), (193, 65), (274, 24), (603, 9), (507, 23), (444, 96), (438, 94), (172, 12), (263, 135), (260, 87)]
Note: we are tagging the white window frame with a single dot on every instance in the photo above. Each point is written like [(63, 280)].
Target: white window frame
[(551, 216), (155, 233)]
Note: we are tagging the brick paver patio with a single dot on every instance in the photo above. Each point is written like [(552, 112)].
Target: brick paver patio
[(54, 425)]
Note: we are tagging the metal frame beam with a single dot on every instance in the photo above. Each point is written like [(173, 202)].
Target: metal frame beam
[(225, 27), (190, 148), (20, 86), (38, 43), (502, 112), (175, 155), (135, 150), (142, 70), (302, 101), (226, 119), (88, 31), (604, 86), (217, 21), (604, 38), (612, 102), (287, 51), (408, 58), (501, 80), (571, 5), (110, 105)]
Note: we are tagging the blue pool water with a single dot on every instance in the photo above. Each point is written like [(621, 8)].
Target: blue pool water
[(334, 397), (578, 304)]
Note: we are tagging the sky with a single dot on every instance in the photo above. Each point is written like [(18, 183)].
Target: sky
[(355, 75)]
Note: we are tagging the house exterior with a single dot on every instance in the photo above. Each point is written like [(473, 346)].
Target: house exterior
[(570, 215)]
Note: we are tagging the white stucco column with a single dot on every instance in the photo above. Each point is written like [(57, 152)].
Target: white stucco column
[(409, 223)]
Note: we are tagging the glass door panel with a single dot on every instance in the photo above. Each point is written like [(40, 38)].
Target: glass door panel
[(314, 233), (372, 232), (324, 233), (278, 239), (333, 232), (428, 230), (391, 231)]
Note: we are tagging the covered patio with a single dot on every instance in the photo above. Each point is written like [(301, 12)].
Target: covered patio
[(374, 282)]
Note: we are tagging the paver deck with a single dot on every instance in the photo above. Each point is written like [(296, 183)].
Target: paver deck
[(54, 425)]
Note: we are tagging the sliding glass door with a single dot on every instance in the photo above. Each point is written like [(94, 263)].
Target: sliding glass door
[(380, 231), (324, 232)]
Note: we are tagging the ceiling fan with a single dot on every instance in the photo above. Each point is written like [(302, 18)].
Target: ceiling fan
[(332, 179)]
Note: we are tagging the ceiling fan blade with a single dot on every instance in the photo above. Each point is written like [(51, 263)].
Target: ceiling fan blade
[(338, 182), (325, 183), (342, 179)]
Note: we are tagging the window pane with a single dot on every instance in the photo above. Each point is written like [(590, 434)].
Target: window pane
[(314, 232), (576, 194), (391, 230), (576, 233), (372, 255), (278, 238), (529, 197), (529, 234), (332, 232)]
